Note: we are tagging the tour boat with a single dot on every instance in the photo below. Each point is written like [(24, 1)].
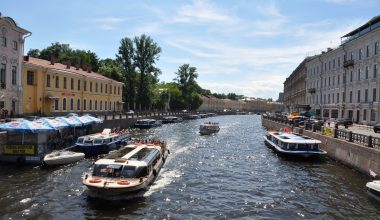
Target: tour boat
[(171, 119), (147, 123), (293, 144), (101, 143), (128, 170), (62, 158), (373, 189), (209, 128)]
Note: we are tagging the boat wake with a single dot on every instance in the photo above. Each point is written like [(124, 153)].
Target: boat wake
[(162, 181)]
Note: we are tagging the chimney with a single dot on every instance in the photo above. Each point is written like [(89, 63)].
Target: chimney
[(26, 58), (68, 64), (77, 66), (52, 60), (84, 67), (89, 67)]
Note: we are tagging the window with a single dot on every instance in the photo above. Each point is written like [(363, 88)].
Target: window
[(118, 90), (64, 82), (359, 72), (72, 84), (14, 45), (101, 87), (106, 89), (373, 115), (90, 86), (352, 55), (358, 96), (366, 95), (114, 108), (84, 105), (90, 104), (360, 54), (79, 84), (71, 104), (364, 114), (14, 75), (338, 61), (78, 104), (13, 108), (366, 72), (56, 81), (376, 48), (96, 105), (96, 87), (344, 97), (367, 51), (85, 86), (110, 89), (337, 98), (110, 106), (374, 70), (48, 80), (114, 90), (374, 94), (338, 79), (350, 96), (64, 104), (2, 75), (29, 78), (105, 104), (56, 103), (351, 76), (101, 105), (3, 41)]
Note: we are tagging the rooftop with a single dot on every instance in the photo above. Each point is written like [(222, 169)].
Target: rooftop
[(372, 24), (63, 68)]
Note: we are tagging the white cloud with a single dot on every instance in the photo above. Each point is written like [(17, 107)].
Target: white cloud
[(108, 23)]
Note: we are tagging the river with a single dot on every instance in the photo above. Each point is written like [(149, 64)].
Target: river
[(228, 175)]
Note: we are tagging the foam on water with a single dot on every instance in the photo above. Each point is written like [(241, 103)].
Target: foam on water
[(162, 181), (26, 200)]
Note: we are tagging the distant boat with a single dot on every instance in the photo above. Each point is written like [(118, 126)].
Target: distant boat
[(147, 123), (171, 119), (62, 158), (293, 144), (101, 143), (193, 117), (209, 128), (128, 170)]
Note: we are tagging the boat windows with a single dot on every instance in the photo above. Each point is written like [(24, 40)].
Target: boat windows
[(80, 140), (107, 140), (98, 141), (128, 172), (88, 141), (107, 170), (292, 146)]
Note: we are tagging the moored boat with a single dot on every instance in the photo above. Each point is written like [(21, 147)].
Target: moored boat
[(171, 119), (147, 123), (373, 189), (128, 170), (209, 128), (62, 158), (101, 143), (193, 117), (293, 144)]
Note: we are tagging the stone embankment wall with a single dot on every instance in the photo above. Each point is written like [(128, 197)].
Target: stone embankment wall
[(353, 155)]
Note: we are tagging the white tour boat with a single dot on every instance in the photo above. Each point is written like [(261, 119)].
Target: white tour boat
[(62, 157), (293, 144), (209, 128), (130, 169)]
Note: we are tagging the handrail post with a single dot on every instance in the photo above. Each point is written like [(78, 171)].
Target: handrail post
[(370, 141), (350, 136), (335, 133)]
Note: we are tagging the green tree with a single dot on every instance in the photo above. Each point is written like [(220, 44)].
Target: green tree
[(146, 54), (125, 59), (34, 53), (186, 81)]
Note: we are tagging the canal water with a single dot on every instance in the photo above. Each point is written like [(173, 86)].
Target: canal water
[(228, 175)]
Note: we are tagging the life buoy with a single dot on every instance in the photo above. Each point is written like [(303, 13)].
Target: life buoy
[(123, 182), (95, 180), (286, 130)]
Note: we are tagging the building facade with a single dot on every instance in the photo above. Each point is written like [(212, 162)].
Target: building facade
[(344, 82), (295, 89), (12, 39), (55, 89), (263, 105)]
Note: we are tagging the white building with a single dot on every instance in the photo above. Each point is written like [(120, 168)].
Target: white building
[(344, 82), (12, 39)]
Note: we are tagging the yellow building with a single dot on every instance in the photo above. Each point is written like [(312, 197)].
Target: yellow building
[(55, 89)]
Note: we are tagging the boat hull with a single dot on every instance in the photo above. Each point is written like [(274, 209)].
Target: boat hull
[(93, 150), (55, 161), (296, 153), (373, 189)]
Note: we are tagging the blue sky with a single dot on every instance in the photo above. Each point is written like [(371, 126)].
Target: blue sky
[(244, 46)]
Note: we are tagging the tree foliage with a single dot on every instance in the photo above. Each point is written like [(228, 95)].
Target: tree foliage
[(186, 82)]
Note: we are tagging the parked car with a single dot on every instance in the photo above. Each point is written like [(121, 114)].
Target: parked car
[(376, 128), (345, 122)]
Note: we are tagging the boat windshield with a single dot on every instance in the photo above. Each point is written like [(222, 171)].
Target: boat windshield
[(107, 170), (98, 141), (80, 140)]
